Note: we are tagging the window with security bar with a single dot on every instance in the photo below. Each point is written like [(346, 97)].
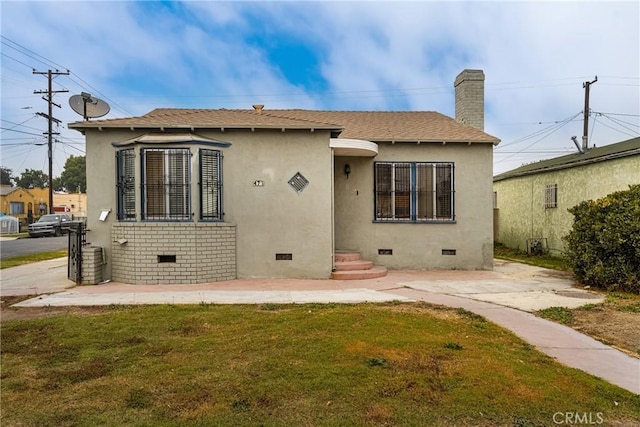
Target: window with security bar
[(166, 184), (414, 191), (551, 196), (125, 173), (211, 185)]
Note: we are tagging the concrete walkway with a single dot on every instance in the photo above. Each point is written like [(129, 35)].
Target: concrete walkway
[(37, 278), (505, 296)]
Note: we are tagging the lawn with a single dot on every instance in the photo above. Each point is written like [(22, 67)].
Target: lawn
[(545, 261), (289, 365), (28, 259)]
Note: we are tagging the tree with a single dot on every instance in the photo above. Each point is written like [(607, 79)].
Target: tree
[(5, 176), (74, 175), (32, 178)]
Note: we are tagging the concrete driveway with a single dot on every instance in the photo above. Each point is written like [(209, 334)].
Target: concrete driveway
[(516, 285)]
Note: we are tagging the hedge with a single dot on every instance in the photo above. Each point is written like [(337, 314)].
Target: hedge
[(603, 246)]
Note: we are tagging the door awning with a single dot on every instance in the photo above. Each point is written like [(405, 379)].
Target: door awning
[(353, 147)]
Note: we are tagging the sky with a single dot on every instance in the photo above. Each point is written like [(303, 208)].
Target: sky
[(359, 55)]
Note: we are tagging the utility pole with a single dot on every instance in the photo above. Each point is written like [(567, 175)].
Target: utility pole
[(585, 132), (49, 98)]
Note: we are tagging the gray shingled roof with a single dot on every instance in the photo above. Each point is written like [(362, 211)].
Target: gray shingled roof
[(626, 148), (376, 126), (4, 191)]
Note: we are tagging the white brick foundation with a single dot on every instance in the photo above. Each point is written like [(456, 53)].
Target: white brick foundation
[(143, 253)]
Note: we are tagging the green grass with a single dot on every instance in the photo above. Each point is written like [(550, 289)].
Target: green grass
[(288, 365), (18, 235), (623, 301), (27, 259), (544, 261), (562, 315)]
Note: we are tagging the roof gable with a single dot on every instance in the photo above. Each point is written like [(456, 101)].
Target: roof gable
[(599, 154), (6, 191), (377, 126)]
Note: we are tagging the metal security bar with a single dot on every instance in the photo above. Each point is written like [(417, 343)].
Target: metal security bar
[(551, 196), (444, 191), (125, 172), (412, 191), (166, 184), (211, 185)]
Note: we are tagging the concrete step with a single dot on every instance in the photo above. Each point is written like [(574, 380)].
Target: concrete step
[(371, 273), (353, 265), (343, 256)]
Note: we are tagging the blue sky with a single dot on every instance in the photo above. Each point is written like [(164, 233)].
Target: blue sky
[(361, 55)]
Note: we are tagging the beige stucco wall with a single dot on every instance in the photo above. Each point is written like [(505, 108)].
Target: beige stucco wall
[(520, 201), (269, 219), (420, 245), (274, 218)]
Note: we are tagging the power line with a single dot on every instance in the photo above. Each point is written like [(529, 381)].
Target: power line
[(634, 134), (560, 125), (541, 131), (20, 124), (32, 55), (20, 131), (18, 61), (94, 90)]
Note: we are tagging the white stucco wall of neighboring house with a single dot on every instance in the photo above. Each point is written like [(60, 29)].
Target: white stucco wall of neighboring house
[(269, 216), (419, 245), (520, 201)]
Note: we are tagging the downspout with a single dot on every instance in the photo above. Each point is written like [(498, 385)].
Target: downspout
[(333, 210), (532, 197)]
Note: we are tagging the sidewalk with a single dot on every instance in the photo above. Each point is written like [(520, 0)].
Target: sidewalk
[(505, 296), (42, 277)]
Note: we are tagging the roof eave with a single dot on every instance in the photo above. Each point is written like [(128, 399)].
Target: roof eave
[(433, 141), (567, 165), (93, 125)]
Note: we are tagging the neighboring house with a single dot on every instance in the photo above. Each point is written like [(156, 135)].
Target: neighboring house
[(20, 203), (74, 204), (193, 196), (29, 204), (532, 201)]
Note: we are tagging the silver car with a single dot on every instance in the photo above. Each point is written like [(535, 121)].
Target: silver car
[(49, 225)]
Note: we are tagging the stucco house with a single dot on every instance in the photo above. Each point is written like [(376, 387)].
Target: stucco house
[(532, 201), (29, 204), (24, 204), (193, 196)]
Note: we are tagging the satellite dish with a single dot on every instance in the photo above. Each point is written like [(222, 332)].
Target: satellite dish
[(88, 106)]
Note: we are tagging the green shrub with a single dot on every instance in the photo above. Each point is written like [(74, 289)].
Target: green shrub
[(603, 247)]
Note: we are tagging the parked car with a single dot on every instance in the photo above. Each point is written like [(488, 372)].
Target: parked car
[(49, 225)]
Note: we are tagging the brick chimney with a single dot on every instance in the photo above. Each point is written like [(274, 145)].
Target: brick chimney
[(470, 98)]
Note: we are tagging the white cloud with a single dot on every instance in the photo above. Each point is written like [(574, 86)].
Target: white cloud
[(370, 55)]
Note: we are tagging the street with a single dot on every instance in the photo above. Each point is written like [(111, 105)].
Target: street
[(26, 246)]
